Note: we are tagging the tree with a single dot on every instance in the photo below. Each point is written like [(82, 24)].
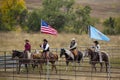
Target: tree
[(33, 22), (12, 13), (109, 26), (117, 25), (53, 12), (82, 19)]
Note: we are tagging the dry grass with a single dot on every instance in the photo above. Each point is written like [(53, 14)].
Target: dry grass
[(101, 9), (15, 40)]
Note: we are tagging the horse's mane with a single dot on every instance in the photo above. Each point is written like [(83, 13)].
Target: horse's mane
[(90, 49), (104, 52), (17, 51), (68, 52)]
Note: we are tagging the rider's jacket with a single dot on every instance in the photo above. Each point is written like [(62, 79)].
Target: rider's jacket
[(97, 48), (73, 45), (27, 47), (45, 47)]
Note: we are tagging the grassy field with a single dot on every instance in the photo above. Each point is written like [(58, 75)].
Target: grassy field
[(15, 40)]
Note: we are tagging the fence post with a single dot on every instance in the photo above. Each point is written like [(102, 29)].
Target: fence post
[(5, 61), (48, 74), (17, 65)]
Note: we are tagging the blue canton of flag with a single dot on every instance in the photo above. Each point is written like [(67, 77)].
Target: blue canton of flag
[(96, 34)]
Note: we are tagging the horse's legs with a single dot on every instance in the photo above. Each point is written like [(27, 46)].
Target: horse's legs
[(107, 66), (74, 65), (67, 62), (35, 63), (40, 67), (18, 72), (26, 67), (78, 66), (93, 66), (101, 66), (54, 66)]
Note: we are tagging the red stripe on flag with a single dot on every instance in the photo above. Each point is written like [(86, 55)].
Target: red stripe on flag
[(48, 30)]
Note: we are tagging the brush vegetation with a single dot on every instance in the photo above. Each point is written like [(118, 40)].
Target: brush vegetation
[(15, 40)]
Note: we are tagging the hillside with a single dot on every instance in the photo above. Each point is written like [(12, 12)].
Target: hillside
[(15, 40), (100, 8)]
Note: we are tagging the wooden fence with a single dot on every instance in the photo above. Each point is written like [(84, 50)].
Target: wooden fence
[(83, 72)]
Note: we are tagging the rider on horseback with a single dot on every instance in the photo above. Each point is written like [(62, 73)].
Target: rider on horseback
[(73, 46), (97, 49), (27, 48), (45, 47)]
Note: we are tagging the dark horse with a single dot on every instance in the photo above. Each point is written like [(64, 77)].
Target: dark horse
[(94, 58), (22, 59), (40, 59), (70, 57)]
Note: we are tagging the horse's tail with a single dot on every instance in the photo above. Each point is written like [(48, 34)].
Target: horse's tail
[(107, 57), (56, 57), (82, 57), (108, 64)]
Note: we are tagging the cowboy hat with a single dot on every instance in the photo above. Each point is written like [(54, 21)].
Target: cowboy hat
[(45, 40), (73, 39)]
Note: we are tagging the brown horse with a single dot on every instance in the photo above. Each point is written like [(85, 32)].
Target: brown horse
[(22, 59), (94, 59), (40, 59)]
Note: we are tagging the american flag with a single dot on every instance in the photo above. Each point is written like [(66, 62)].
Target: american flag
[(46, 28)]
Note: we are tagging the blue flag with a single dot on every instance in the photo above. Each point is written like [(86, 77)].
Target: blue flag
[(96, 34)]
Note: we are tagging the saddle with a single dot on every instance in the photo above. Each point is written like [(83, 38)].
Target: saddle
[(75, 53), (47, 55)]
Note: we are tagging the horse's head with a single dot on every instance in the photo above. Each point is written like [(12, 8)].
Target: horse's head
[(37, 51), (62, 52), (15, 53), (88, 52)]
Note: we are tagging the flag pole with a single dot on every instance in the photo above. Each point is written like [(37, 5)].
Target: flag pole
[(47, 75), (89, 40), (40, 25), (89, 33)]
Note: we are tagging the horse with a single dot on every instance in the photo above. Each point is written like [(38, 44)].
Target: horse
[(70, 57), (40, 59), (94, 59), (22, 59)]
